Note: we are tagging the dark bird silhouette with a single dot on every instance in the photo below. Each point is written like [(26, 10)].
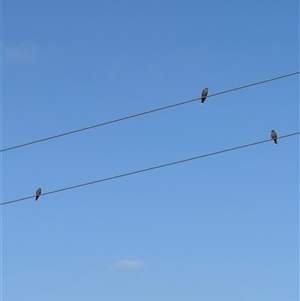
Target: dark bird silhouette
[(204, 95), (274, 136), (38, 193)]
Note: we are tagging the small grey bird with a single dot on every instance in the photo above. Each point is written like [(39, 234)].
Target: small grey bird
[(38, 193), (274, 136), (204, 95)]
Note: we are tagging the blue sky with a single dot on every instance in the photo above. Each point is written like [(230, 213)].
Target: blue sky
[(221, 228)]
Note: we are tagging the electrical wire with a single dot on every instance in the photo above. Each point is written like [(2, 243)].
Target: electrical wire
[(150, 168), (144, 113)]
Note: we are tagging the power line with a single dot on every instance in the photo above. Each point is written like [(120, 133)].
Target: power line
[(144, 113), (150, 168)]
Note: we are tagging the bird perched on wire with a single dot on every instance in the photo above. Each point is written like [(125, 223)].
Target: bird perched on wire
[(204, 95), (38, 193), (274, 136)]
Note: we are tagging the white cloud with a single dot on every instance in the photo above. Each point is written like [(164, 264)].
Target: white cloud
[(126, 264), (22, 53)]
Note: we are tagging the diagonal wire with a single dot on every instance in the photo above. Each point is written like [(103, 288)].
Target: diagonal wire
[(150, 168), (145, 113)]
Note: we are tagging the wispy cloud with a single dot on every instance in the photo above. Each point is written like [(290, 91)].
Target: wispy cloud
[(24, 52), (126, 264)]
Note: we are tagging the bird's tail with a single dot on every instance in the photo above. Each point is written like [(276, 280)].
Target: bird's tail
[(36, 198), (275, 141)]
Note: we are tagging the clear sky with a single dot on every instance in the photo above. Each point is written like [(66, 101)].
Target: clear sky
[(224, 227)]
